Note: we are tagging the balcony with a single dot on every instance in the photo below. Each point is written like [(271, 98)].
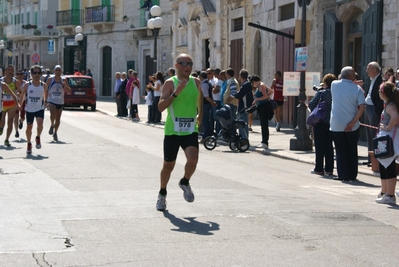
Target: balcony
[(67, 20), (30, 32), (100, 16)]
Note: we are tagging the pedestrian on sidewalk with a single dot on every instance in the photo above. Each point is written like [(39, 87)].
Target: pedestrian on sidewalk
[(156, 113), (348, 105), (118, 82), (277, 87), (135, 101), (322, 135), (182, 97), (261, 100), (388, 126), (374, 104)]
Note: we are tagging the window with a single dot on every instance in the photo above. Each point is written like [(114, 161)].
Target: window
[(287, 12), (238, 24), (79, 82)]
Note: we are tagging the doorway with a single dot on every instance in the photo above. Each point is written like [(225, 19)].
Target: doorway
[(107, 71), (355, 53), (354, 42)]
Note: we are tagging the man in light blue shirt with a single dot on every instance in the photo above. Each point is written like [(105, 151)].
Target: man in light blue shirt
[(348, 105)]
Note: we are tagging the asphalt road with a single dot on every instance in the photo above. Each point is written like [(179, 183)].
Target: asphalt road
[(89, 200)]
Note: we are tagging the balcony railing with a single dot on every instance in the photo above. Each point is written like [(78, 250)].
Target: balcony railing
[(103, 13), (33, 31), (72, 17)]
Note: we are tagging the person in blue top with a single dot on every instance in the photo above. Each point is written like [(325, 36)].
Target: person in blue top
[(261, 100)]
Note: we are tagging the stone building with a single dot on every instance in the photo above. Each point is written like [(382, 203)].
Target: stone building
[(29, 33), (214, 32)]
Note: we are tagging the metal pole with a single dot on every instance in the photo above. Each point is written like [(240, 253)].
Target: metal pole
[(156, 30), (302, 142)]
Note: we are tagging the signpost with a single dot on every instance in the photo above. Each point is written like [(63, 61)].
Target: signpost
[(35, 58), (292, 83), (301, 59)]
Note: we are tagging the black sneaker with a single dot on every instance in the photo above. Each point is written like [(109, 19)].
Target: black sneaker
[(50, 132), (16, 134), (55, 137), (20, 124)]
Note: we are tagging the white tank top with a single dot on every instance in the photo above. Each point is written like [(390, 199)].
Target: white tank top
[(56, 92), (34, 98)]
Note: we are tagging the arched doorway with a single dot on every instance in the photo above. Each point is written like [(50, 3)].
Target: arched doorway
[(107, 71)]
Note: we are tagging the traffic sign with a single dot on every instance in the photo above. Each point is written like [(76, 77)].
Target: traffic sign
[(35, 58), (301, 59), (292, 85)]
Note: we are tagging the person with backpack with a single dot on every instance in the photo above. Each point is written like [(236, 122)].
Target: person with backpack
[(56, 90)]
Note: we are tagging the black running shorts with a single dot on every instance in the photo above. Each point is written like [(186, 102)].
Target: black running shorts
[(172, 143)]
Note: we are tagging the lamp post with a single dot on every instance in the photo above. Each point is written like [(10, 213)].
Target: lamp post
[(79, 39), (302, 142), (154, 24), (2, 47)]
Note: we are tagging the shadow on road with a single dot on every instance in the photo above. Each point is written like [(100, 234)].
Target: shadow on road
[(190, 225)]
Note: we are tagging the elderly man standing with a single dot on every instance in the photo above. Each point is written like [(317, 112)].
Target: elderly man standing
[(347, 107), (374, 104), (118, 82)]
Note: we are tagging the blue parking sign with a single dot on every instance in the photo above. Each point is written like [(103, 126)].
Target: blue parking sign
[(51, 46)]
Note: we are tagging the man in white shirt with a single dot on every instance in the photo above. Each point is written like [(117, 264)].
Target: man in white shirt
[(374, 104), (213, 76)]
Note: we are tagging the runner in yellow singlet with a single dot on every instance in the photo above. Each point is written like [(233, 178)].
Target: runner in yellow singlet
[(9, 104)]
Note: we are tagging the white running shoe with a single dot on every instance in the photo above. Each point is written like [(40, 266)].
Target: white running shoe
[(262, 145), (161, 202), (385, 199), (187, 192)]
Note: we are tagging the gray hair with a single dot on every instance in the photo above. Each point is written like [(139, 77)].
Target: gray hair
[(375, 65), (347, 72)]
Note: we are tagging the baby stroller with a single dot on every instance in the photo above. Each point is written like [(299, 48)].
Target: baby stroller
[(228, 132)]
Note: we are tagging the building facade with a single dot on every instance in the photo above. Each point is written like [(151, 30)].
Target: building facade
[(214, 32), (29, 33)]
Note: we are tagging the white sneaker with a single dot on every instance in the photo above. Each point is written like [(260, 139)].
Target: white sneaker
[(385, 199), (161, 202), (187, 192), (262, 145)]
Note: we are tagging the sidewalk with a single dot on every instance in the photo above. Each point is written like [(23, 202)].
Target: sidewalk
[(279, 142)]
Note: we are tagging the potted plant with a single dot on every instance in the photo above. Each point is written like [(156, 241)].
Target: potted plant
[(125, 18), (50, 26), (33, 26), (37, 32)]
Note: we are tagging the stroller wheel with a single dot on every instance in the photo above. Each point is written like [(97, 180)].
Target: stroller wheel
[(243, 145), (233, 146), (210, 142)]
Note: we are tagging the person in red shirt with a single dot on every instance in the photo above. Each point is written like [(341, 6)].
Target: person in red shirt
[(77, 72), (277, 86)]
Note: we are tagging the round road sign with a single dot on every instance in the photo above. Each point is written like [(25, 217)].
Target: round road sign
[(35, 58)]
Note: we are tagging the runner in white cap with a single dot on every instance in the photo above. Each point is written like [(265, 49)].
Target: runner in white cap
[(56, 86)]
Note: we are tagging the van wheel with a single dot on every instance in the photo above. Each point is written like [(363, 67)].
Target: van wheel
[(85, 107), (93, 107)]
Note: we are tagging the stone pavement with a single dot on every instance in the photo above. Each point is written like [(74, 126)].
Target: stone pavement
[(279, 142)]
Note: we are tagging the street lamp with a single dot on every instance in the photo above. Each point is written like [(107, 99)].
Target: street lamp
[(302, 142), (154, 24), (79, 39), (2, 47)]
